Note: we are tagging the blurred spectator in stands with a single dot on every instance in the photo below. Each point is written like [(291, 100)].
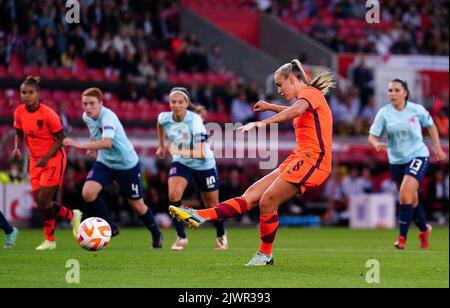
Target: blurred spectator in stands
[(388, 186), (200, 60), (438, 195), (241, 109), (369, 112), (128, 65), (334, 193), (215, 60), (402, 45), (322, 33), (61, 38), (185, 61), (343, 9), (16, 42), (78, 38), (3, 53), (92, 41), (145, 69), (36, 55), (151, 91), (252, 92), (207, 97), (362, 78), (122, 41), (264, 5), (64, 118), (53, 58), (96, 58), (68, 57), (112, 59), (128, 90), (352, 184), (366, 181)]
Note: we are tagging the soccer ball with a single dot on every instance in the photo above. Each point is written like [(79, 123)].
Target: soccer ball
[(93, 234)]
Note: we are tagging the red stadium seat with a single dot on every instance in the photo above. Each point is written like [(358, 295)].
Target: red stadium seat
[(63, 73), (48, 72), (3, 72)]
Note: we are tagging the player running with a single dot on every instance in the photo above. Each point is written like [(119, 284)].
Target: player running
[(192, 159), (408, 155), (308, 166), (116, 161), (11, 233), (44, 134)]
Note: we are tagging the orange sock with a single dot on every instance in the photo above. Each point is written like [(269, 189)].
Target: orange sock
[(230, 208), (268, 226)]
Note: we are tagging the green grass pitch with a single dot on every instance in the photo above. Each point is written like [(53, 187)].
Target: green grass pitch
[(303, 258)]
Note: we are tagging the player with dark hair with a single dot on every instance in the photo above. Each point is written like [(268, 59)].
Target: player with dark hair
[(44, 133), (192, 159), (402, 121)]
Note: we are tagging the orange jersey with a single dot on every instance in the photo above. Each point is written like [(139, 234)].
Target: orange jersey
[(314, 130), (39, 128)]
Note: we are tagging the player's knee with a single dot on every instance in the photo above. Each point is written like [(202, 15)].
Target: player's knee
[(268, 203), (406, 198), (175, 196), (89, 196), (251, 196)]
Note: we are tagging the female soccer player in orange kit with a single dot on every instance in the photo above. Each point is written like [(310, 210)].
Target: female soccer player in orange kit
[(44, 133), (308, 166)]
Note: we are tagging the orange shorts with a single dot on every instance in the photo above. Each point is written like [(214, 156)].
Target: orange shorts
[(49, 176), (300, 171)]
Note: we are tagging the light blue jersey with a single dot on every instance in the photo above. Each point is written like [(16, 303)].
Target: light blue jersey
[(187, 133), (121, 156), (404, 131)]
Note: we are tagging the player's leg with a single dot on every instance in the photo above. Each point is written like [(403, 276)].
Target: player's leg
[(280, 191), (145, 214), (210, 199), (408, 191), (10, 232), (131, 188), (100, 176), (177, 185), (230, 208), (44, 200)]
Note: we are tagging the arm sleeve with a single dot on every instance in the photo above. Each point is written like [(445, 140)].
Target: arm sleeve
[(198, 130), (378, 125), (312, 97), (109, 125), (17, 119), (425, 118), (54, 122)]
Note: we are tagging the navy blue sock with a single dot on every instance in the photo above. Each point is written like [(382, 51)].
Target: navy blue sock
[(405, 217), (419, 218), (179, 226), (220, 228), (5, 225), (149, 222), (98, 208)]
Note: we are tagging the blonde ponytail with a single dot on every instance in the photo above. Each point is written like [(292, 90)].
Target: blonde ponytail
[(323, 81)]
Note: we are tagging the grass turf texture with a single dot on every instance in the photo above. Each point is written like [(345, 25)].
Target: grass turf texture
[(303, 258)]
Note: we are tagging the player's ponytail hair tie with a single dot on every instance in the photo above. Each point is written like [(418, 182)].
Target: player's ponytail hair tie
[(32, 81)]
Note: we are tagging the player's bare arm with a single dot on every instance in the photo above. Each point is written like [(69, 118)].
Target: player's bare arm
[(198, 152), (161, 151), (55, 148), (288, 114), (434, 134), (262, 106), (105, 143), (377, 145), (18, 142)]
